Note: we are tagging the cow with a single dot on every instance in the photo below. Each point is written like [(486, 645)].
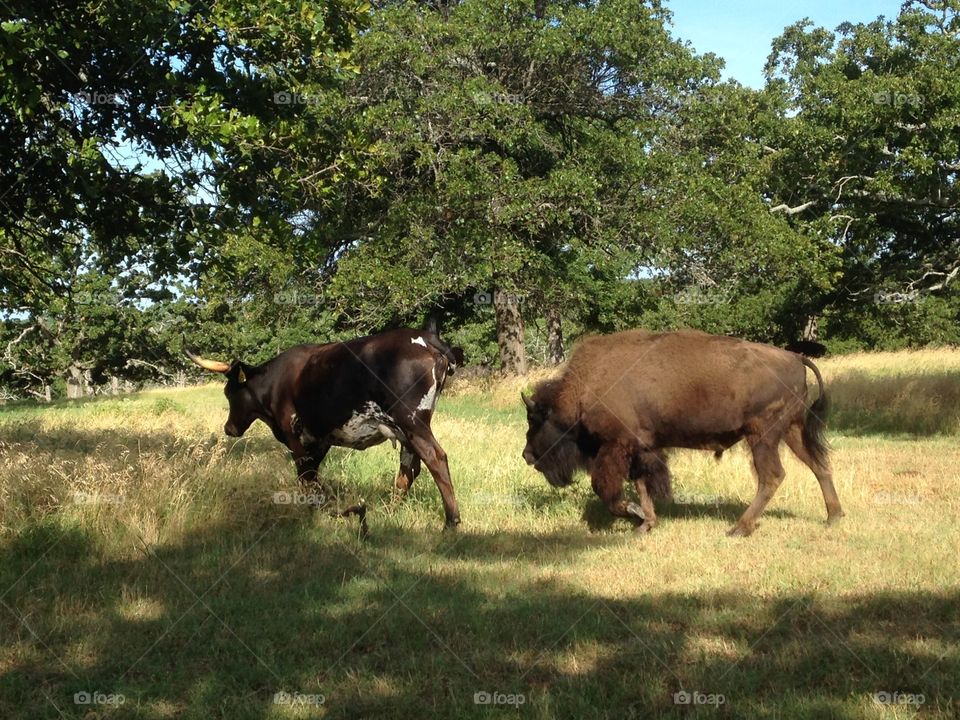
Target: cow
[(810, 348), (624, 399), (354, 394)]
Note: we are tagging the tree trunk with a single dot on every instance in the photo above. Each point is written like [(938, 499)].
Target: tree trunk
[(554, 337), (513, 353), (47, 393), (810, 329), (74, 382)]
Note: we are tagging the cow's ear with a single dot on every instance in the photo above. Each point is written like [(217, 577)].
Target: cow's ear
[(238, 372)]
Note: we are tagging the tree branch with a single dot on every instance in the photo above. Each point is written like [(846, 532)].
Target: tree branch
[(787, 210)]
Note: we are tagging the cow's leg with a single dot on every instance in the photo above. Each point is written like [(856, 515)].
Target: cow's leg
[(307, 461), (794, 440), (610, 469), (766, 462), (409, 469), (425, 445)]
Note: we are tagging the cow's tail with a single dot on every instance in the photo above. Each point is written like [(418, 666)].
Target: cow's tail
[(454, 355), (814, 424)]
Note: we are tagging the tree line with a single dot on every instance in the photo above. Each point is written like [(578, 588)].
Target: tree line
[(250, 175)]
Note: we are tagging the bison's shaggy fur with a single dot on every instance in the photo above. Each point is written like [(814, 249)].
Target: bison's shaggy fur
[(623, 399)]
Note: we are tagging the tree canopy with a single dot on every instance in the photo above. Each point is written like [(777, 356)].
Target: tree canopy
[(261, 174)]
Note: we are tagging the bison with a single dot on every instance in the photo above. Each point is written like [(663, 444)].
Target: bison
[(353, 394), (623, 399)]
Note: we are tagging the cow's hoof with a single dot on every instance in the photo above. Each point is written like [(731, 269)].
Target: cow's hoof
[(451, 525), (739, 530), (834, 518)]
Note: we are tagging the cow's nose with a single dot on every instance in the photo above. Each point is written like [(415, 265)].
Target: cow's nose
[(230, 430), (528, 456)]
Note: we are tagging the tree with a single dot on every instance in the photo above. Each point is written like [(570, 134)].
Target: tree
[(867, 154), (131, 131), (507, 155)]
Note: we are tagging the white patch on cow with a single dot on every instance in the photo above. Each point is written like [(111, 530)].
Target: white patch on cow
[(418, 341), (366, 427), (428, 400)]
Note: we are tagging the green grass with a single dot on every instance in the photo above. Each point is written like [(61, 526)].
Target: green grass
[(142, 554)]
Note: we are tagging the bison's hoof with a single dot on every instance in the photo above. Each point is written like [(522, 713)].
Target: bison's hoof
[(834, 518), (450, 525), (739, 530), (643, 527)]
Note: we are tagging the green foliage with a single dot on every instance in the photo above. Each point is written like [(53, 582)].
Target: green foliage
[(255, 175), (867, 151)]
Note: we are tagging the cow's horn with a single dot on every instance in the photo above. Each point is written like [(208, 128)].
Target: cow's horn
[(214, 365)]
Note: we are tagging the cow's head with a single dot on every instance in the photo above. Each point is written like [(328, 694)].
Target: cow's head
[(551, 444), (244, 405)]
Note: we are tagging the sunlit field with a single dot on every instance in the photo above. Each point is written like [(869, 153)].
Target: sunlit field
[(152, 568)]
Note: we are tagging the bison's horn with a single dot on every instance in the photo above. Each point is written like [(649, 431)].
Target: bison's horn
[(531, 405), (214, 365)]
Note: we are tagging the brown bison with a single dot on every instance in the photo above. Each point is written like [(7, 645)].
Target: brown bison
[(623, 399)]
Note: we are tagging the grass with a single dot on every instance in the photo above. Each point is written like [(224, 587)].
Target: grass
[(908, 393), (142, 554)]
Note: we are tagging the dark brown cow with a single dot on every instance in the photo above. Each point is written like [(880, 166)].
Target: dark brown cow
[(623, 399), (351, 394)]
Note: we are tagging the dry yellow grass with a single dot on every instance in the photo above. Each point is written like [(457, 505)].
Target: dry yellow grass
[(117, 515), (910, 392)]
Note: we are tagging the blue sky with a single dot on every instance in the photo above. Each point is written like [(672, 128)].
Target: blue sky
[(740, 31)]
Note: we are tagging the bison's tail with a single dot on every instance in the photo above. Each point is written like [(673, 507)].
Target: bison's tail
[(814, 424)]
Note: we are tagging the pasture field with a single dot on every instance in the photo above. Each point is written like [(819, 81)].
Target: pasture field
[(144, 557)]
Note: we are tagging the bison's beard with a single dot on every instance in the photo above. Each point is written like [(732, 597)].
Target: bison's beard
[(559, 465)]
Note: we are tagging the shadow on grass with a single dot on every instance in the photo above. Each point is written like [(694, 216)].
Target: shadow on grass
[(598, 518), (32, 433), (417, 624)]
